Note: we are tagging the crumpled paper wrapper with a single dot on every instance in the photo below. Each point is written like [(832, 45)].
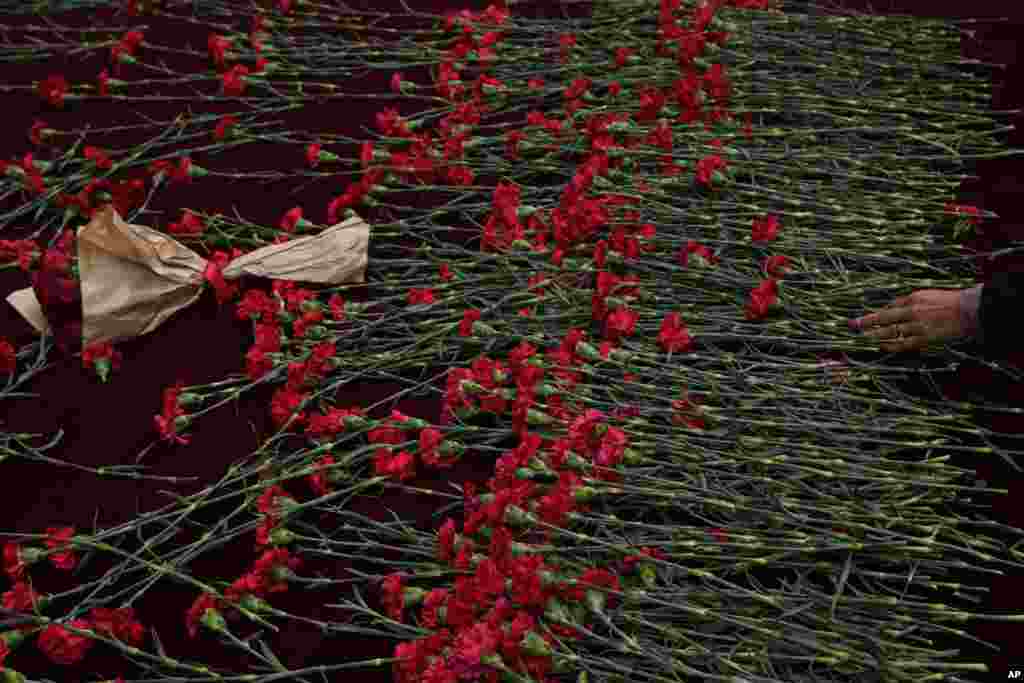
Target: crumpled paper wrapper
[(133, 278)]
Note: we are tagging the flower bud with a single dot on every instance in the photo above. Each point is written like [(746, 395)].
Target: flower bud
[(544, 390), (12, 676), (575, 462), (281, 536), (182, 422), (470, 387), (613, 302), (648, 574), (527, 474), (12, 638), (255, 604), (621, 355), (102, 367), (520, 549), (632, 457), (451, 448), (516, 516), (483, 329), (416, 423), (585, 494), (316, 332), (413, 595), (196, 171), (189, 399), (588, 351), (595, 600), (356, 422), (556, 611), (492, 660), (723, 26), (281, 573), (534, 645), (466, 413), (537, 417), (214, 620)]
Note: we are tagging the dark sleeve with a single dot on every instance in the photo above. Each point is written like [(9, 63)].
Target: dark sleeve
[(999, 313)]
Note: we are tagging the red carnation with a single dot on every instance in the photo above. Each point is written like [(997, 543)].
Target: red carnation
[(313, 155), (468, 318), (224, 126), (21, 598), (776, 266), (62, 646), (765, 229), (392, 596), (674, 336), (421, 296), (621, 323), (761, 299), (53, 89), (58, 538), (233, 81), (8, 357), (118, 623)]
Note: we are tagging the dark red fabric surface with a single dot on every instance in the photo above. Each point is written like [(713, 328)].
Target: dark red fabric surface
[(107, 424)]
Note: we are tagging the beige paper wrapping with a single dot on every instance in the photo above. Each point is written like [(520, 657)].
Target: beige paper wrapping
[(133, 278)]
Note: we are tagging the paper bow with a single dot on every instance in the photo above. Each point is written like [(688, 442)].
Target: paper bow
[(133, 278)]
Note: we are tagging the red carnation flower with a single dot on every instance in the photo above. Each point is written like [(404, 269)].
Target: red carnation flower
[(421, 296), (765, 229), (468, 318), (53, 89), (62, 646), (118, 623), (673, 335), (58, 538)]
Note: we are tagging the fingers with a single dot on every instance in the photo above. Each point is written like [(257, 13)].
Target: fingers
[(915, 343), (894, 327), (895, 331), (888, 316)]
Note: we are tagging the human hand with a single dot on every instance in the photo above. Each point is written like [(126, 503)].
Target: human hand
[(913, 322)]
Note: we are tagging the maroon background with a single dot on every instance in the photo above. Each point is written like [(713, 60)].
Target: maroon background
[(110, 424)]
